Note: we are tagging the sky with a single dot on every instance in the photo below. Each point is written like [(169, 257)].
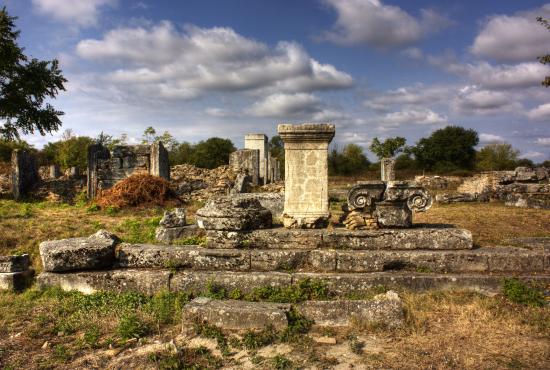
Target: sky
[(203, 68)]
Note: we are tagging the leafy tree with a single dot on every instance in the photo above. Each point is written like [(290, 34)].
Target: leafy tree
[(524, 162), (277, 150), (148, 136), (405, 161), (69, 152), (388, 148), (212, 153), (182, 153), (545, 59), (497, 157), (7, 146), (24, 87), (447, 149), (169, 142), (349, 161)]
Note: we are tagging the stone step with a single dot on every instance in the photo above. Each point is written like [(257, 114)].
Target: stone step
[(497, 259), (420, 237), (150, 281)]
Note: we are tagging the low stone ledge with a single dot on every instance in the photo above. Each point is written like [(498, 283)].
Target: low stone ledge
[(237, 315), (244, 282), (14, 263), (94, 252), (16, 281), (278, 238), (384, 309), (119, 281), (169, 234)]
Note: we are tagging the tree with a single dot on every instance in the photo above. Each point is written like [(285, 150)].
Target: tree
[(497, 157), (24, 87), (182, 153), (389, 148), (8, 146), (447, 149), (277, 150), (349, 161), (69, 152), (545, 59), (212, 153), (148, 136)]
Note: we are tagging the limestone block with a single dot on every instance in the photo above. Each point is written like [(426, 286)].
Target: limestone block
[(14, 263), (232, 213), (278, 238), (384, 309), (94, 252), (244, 282), (24, 173), (322, 260), (393, 214), (174, 218), (142, 281), (15, 281), (168, 235), (306, 174), (54, 171), (273, 260), (272, 201), (220, 259), (246, 161), (237, 315), (516, 259), (243, 184), (159, 162), (387, 169), (259, 142)]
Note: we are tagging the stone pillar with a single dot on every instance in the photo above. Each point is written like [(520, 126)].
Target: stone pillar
[(259, 142), (74, 172), (246, 160), (96, 152), (274, 170), (54, 171), (24, 172), (387, 169), (160, 164), (306, 174)]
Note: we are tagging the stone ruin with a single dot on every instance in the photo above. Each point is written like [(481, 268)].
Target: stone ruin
[(240, 250), (107, 167), (24, 172)]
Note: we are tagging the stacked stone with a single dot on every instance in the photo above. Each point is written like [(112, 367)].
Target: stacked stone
[(15, 274), (173, 225), (358, 220)]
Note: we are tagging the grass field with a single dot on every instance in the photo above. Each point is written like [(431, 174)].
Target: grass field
[(444, 330)]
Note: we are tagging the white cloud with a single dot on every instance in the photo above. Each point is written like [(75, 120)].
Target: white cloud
[(532, 155), (490, 138), (80, 12), (514, 38), (542, 112), (374, 23), (544, 141), (408, 96), (282, 105), (472, 100), (167, 63), (413, 117), (507, 76)]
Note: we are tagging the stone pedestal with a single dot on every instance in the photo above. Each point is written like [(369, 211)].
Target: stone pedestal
[(259, 142), (306, 174), (393, 214)]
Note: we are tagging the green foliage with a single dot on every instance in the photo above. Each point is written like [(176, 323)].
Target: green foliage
[(545, 59), (297, 325), (68, 152), (186, 358), (181, 153), (131, 326), (447, 149), (165, 306), (91, 337), (519, 292), (139, 230), (212, 153), (277, 150), (405, 161), (213, 332), (307, 289), (497, 157), (280, 362), (253, 340), (388, 148), (349, 161), (61, 353), (8, 146), (355, 345), (25, 86)]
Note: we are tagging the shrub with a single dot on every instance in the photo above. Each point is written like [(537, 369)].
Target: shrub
[(130, 326), (519, 292)]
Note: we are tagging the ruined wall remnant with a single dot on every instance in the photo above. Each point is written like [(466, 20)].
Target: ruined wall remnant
[(387, 169), (306, 174), (246, 161), (24, 172), (274, 170), (259, 142), (107, 167)]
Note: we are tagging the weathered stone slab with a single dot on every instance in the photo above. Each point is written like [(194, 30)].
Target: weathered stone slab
[(237, 315), (400, 239), (273, 260), (15, 281), (233, 214), (393, 214), (244, 282), (168, 235), (173, 218), (322, 260), (384, 309), (119, 281), (14, 263), (94, 252), (272, 201), (279, 238), (192, 257)]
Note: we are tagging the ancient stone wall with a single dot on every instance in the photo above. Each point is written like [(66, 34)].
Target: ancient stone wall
[(107, 167), (248, 161), (24, 172), (259, 142)]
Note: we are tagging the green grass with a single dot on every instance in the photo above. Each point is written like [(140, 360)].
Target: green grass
[(519, 292)]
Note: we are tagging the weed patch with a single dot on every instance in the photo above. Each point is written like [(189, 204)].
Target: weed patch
[(519, 292)]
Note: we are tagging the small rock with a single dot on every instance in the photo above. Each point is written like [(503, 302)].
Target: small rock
[(325, 340), (175, 218), (45, 345)]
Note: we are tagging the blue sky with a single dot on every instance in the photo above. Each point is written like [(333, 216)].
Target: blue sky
[(225, 68)]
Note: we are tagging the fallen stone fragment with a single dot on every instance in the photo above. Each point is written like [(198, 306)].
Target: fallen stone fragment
[(237, 315), (15, 281), (169, 235), (325, 340), (233, 213), (174, 218), (14, 263), (384, 309), (94, 252)]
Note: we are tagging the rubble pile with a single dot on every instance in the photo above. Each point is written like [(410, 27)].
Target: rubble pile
[(274, 187), (190, 182)]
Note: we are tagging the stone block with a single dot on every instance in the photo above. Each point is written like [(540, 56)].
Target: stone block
[(502, 259), (159, 162), (142, 281), (94, 252), (233, 214), (273, 260), (387, 169), (246, 161), (169, 235), (385, 310), (173, 218), (14, 263), (24, 173), (243, 184), (322, 260), (259, 142), (442, 238), (393, 214), (237, 315), (244, 282), (15, 281), (273, 202), (220, 259)]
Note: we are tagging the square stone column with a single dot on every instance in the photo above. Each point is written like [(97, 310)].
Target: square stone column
[(259, 142), (306, 174), (387, 169)]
